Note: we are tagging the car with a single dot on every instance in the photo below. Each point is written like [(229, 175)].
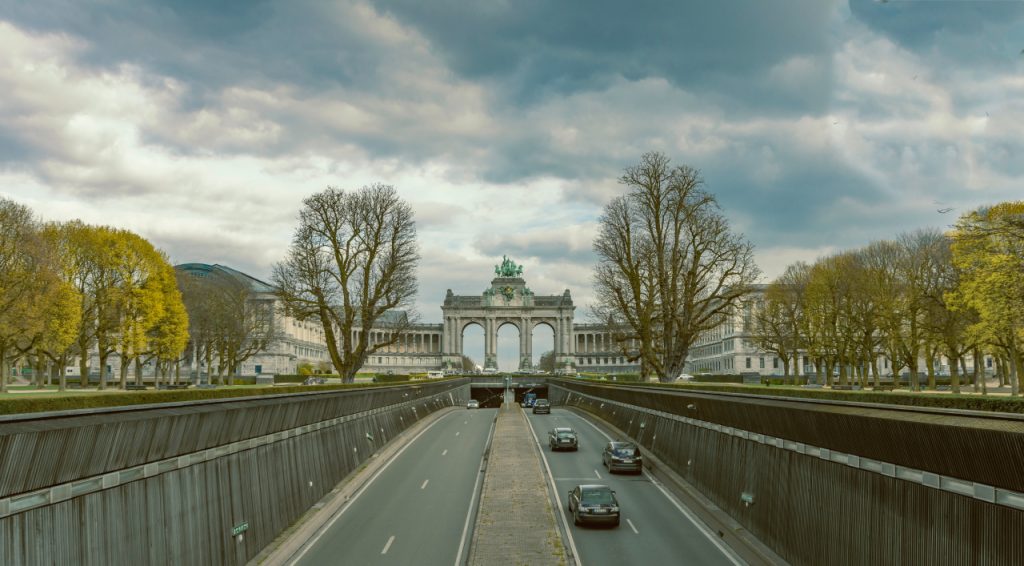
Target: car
[(473, 404), (529, 399), (542, 406), (684, 377), (563, 438), (621, 456), (594, 504)]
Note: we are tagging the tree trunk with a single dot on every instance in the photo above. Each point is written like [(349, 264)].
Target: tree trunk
[(3, 369), (63, 377), (929, 364), (103, 369), (874, 371), (954, 373), (125, 362)]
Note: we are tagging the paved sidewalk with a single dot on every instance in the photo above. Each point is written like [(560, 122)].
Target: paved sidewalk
[(515, 524)]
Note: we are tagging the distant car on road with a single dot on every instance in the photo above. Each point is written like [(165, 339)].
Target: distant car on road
[(684, 377), (622, 457), (529, 399), (314, 381), (594, 504), (473, 404), (563, 438), (542, 406)]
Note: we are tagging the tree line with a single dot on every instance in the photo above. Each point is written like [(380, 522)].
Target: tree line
[(922, 296), (68, 289)]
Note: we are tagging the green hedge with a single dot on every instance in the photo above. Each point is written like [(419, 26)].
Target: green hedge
[(942, 401), (116, 399), (718, 378), (296, 378), (390, 378)]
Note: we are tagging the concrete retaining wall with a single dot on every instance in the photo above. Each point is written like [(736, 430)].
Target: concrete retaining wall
[(193, 483), (813, 504)]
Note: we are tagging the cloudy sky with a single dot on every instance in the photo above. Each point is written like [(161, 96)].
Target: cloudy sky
[(203, 124)]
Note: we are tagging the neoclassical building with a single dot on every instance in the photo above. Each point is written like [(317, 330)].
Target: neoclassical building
[(422, 347)]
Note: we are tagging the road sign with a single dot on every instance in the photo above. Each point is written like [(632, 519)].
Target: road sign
[(239, 529)]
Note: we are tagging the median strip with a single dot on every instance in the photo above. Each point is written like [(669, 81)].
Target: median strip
[(515, 524)]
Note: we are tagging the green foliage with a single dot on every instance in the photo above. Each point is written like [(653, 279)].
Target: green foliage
[(942, 401), (19, 404), (390, 378), (305, 369)]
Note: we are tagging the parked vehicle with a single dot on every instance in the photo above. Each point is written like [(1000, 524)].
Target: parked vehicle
[(435, 374), (542, 406), (563, 438), (594, 504), (622, 457)]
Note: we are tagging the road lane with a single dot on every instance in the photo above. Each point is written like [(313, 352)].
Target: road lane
[(415, 510), (653, 529)]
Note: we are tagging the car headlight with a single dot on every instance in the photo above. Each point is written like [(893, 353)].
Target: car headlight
[(615, 509)]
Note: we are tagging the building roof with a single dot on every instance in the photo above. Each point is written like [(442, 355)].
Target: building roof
[(204, 269)]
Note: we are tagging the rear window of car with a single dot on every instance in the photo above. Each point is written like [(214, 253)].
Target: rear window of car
[(542, 401), (565, 434), (598, 497), (624, 449)]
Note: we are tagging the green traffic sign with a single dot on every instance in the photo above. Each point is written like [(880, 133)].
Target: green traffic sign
[(239, 529)]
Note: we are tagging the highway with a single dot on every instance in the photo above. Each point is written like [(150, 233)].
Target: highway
[(418, 509), (655, 528)]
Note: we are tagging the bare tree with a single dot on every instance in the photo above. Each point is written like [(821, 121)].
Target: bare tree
[(352, 260), (668, 266)]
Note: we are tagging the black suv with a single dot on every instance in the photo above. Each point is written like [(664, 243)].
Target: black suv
[(563, 439), (622, 457), (594, 504), (542, 406)]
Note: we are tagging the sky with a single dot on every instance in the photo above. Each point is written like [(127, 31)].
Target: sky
[(201, 125)]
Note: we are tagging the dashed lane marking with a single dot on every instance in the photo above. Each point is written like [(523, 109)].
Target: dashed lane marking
[(388, 545), (425, 482), (632, 526)]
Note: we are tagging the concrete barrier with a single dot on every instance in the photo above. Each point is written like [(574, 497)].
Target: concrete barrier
[(192, 483), (815, 504)]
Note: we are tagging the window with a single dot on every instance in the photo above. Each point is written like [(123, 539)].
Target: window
[(762, 362), (775, 363), (748, 363)]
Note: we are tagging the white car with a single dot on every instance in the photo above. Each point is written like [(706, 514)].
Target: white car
[(684, 377), (473, 404)]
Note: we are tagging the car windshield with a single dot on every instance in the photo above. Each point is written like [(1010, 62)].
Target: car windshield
[(565, 434), (598, 497)]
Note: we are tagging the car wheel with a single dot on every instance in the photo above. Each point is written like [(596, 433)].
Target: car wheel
[(576, 518)]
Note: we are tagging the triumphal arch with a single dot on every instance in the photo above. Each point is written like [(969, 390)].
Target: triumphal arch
[(508, 301)]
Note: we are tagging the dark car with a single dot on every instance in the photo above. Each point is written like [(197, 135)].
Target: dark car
[(622, 457), (594, 504), (542, 406), (563, 439)]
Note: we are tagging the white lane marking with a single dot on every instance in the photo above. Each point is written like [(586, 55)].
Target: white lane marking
[(388, 545), (456, 434), (425, 482), (472, 503), (558, 499), (598, 474), (728, 552), (445, 453), (632, 526), (312, 541), (465, 422)]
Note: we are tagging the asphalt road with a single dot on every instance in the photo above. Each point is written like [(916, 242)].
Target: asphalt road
[(415, 511), (654, 529)]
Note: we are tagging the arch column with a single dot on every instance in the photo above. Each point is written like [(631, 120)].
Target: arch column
[(490, 343), (525, 343)]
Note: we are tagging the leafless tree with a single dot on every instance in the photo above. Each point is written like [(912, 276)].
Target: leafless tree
[(352, 260), (669, 267)]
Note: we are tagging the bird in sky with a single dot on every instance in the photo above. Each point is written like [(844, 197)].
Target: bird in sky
[(945, 210)]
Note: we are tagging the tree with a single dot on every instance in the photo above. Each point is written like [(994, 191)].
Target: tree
[(776, 320), (988, 249), (669, 268), (547, 362), (352, 259), (27, 284)]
